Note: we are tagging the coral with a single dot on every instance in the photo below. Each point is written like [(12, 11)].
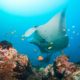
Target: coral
[(14, 66), (63, 63), (6, 71), (61, 69)]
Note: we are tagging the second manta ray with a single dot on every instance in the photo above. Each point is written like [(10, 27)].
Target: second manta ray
[(51, 36)]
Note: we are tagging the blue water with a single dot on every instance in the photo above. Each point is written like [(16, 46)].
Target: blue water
[(10, 23)]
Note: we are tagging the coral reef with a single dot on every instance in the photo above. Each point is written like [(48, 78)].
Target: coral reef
[(62, 69), (17, 68), (14, 66)]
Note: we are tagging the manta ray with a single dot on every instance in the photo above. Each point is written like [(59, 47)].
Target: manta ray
[(51, 36)]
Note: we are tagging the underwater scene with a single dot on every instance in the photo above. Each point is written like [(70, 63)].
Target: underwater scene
[(39, 40)]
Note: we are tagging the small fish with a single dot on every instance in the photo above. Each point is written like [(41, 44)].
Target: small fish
[(40, 58)]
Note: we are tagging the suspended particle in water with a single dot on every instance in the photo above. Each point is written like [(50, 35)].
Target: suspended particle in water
[(69, 45), (73, 26), (65, 35), (51, 43), (23, 39), (71, 37), (13, 32), (77, 34), (35, 50), (68, 29), (73, 32), (64, 29)]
